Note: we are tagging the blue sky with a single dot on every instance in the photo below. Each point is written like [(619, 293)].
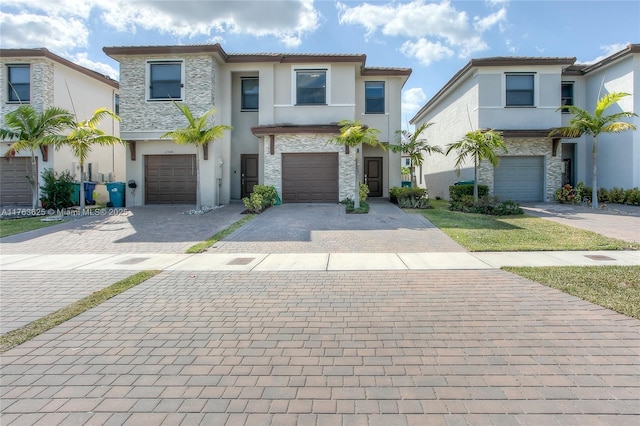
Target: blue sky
[(434, 38)]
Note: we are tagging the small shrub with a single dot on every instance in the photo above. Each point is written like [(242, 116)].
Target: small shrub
[(57, 189), (262, 197), (409, 198), (349, 207), (507, 208), (632, 196), (566, 194), (363, 192), (487, 204), (616, 195), (456, 192)]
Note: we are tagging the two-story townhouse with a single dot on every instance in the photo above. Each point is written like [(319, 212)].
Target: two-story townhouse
[(283, 108), (521, 97), (43, 79)]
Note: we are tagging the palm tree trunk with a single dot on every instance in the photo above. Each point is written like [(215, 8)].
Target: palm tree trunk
[(82, 196), (198, 200), (356, 201), (35, 188), (414, 181), (594, 187), (475, 178)]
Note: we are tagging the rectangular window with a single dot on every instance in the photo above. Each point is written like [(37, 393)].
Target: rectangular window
[(374, 97), (116, 104), (250, 91), (311, 87), (567, 95), (519, 90), (19, 83), (165, 80)]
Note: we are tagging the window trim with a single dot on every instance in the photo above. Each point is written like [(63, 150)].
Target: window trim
[(242, 94), (384, 97), (533, 89), (572, 84), (10, 85), (148, 79), (294, 84)]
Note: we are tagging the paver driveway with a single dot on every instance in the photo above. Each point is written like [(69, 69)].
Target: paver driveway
[(327, 347)]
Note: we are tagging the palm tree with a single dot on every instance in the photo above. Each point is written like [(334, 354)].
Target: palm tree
[(585, 123), (415, 147), (481, 145), (353, 134), (31, 130), (83, 136), (196, 133)]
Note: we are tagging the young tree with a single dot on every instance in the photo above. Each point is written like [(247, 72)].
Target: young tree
[(481, 145), (585, 123), (31, 130), (413, 145), (83, 136), (198, 133), (353, 134)]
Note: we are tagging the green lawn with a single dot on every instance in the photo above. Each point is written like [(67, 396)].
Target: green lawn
[(17, 226), (478, 232), (613, 287)]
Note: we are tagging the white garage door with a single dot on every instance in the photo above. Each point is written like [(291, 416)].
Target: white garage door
[(519, 179)]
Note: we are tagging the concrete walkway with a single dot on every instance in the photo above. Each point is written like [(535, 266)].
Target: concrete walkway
[(306, 327)]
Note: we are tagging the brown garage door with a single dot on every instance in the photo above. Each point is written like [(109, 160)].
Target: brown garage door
[(170, 179), (310, 178), (16, 190)]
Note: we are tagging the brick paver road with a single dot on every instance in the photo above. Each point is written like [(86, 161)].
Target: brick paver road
[(334, 348)]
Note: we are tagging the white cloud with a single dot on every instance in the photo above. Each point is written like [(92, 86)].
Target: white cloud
[(435, 30), (82, 59), (412, 100), (288, 21), (425, 51), (31, 30), (608, 50)]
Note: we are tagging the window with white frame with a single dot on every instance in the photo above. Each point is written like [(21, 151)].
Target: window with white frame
[(567, 95), (19, 83), (520, 91), (250, 92), (311, 87), (374, 97), (166, 80)]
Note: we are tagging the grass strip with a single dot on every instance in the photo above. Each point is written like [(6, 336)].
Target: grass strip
[(18, 226), (612, 287), (17, 337), (204, 245), (478, 232)]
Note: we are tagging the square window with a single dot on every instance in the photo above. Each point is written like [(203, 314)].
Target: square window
[(250, 92), (311, 87), (519, 90), (19, 83), (165, 80), (567, 95), (374, 97)]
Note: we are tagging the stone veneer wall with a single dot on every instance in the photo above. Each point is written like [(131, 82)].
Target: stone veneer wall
[(138, 115), (308, 143), (530, 147), (41, 81)]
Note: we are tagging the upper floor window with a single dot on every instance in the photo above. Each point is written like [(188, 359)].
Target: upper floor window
[(519, 90), (567, 95), (374, 97), (250, 91), (311, 87), (116, 104), (165, 80), (19, 83)]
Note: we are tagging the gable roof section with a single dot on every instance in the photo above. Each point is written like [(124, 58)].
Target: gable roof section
[(282, 58), (45, 53), (497, 61)]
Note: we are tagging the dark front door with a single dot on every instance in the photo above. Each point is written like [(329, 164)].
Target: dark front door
[(249, 173), (373, 175)]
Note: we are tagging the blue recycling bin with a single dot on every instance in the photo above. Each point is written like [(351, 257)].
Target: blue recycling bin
[(406, 184), (116, 193), (89, 187)]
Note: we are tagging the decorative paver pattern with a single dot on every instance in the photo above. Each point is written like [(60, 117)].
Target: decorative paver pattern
[(383, 347)]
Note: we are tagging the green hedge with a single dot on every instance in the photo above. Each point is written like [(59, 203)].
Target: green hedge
[(456, 192)]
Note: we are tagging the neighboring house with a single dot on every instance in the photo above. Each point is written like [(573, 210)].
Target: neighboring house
[(43, 79), (283, 108), (520, 97)]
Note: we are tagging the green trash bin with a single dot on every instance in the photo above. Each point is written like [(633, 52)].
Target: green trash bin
[(406, 184), (116, 193), (75, 197)]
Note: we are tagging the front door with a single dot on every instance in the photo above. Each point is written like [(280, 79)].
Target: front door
[(248, 173), (373, 175)]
